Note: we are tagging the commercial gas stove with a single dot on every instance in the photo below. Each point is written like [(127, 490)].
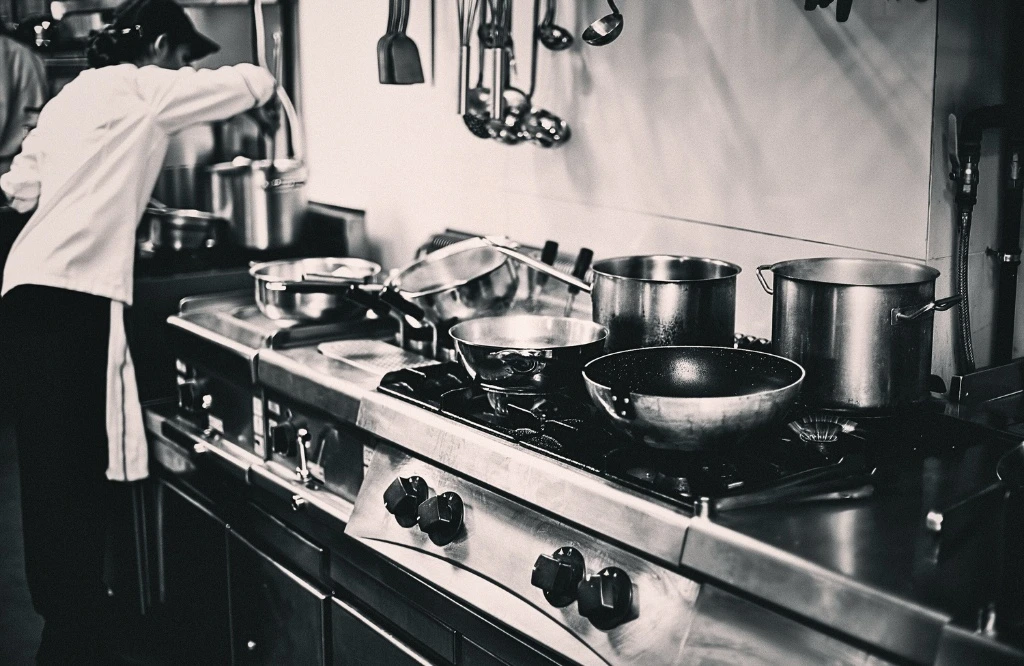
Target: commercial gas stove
[(830, 452), (217, 340)]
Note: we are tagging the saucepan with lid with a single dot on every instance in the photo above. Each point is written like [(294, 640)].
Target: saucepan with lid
[(691, 398), (527, 355)]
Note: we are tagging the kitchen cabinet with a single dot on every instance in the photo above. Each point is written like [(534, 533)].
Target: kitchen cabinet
[(357, 640), (277, 617), (192, 584)]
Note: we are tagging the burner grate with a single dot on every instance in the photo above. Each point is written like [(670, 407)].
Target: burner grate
[(568, 428)]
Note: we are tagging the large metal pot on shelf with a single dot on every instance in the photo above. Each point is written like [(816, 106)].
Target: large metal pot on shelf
[(173, 230), (862, 328), (265, 200)]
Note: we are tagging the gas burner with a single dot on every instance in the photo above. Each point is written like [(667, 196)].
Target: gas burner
[(822, 428)]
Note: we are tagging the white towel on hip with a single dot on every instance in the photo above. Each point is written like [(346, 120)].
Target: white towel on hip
[(128, 458)]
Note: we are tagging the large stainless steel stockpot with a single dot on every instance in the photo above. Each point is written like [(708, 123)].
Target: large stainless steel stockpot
[(527, 354), (265, 200), (862, 328), (657, 300), (287, 289)]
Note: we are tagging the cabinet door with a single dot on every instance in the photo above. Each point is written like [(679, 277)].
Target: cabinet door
[(358, 641), (193, 586), (276, 616)]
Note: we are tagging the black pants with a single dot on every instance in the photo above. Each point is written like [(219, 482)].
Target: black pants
[(54, 344)]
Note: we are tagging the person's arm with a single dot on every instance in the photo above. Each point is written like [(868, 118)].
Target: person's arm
[(21, 184), (187, 96)]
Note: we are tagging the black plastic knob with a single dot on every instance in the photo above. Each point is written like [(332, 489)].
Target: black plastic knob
[(283, 437), (606, 599), (441, 518), (559, 575), (403, 497)]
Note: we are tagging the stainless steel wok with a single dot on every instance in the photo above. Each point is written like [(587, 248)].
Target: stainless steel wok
[(527, 354), (311, 289), (693, 397)]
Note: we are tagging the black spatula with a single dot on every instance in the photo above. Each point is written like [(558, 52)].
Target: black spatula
[(405, 57)]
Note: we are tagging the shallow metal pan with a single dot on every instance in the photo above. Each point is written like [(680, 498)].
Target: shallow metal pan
[(693, 397)]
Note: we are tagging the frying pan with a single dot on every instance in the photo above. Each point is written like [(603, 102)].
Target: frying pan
[(693, 398), (1009, 477)]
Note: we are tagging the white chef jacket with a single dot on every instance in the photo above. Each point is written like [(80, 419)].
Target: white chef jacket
[(89, 169), (23, 85)]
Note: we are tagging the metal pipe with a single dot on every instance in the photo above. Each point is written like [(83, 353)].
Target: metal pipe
[(1008, 256), (960, 285)]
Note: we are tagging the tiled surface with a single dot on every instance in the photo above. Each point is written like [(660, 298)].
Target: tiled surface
[(750, 115)]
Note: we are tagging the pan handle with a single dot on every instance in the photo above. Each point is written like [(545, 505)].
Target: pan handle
[(762, 280), (622, 401), (910, 314), (936, 517), (504, 245)]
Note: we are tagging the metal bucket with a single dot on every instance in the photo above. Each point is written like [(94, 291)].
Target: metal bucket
[(659, 300), (862, 328)]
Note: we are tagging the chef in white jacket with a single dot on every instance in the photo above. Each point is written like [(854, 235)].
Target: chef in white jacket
[(88, 170)]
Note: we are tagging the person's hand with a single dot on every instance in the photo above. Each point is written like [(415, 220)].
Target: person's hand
[(268, 116)]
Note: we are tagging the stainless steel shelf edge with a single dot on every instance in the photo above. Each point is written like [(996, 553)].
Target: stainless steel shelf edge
[(577, 497), (308, 376), (827, 597)]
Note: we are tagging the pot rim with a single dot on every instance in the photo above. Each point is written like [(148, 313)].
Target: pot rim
[(925, 268), (595, 268), (600, 332), (731, 350)]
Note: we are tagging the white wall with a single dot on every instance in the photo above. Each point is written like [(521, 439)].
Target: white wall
[(746, 130)]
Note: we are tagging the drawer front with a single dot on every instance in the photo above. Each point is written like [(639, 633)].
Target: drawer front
[(296, 551), (276, 616), (357, 640)]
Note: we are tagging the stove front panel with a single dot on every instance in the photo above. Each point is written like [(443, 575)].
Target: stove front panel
[(503, 554)]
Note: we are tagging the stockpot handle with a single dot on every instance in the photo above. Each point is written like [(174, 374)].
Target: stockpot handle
[(910, 314), (505, 246), (762, 280)]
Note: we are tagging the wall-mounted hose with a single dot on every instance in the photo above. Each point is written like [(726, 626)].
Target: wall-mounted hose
[(963, 240)]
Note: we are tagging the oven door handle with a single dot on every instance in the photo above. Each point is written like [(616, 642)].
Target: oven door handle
[(201, 451)]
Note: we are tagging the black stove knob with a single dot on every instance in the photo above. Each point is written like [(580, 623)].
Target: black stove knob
[(441, 518), (283, 438), (559, 575), (606, 599), (403, 497)]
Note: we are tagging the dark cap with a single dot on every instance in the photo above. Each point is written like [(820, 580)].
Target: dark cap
[(158, 17)]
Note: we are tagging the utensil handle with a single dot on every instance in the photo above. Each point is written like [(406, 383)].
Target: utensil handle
[(935, 518), (504, 245), (843, 488), (762, 280), (910, 314), (464, 53), (392, 297), (296, 138)]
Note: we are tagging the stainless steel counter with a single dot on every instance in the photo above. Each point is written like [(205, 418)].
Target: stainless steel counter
[(865, 569)]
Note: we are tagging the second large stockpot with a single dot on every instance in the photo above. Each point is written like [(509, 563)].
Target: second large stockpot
[(861, 328), (657, 300)]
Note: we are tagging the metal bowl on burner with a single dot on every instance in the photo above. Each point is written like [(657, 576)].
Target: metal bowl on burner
[(526, 355)]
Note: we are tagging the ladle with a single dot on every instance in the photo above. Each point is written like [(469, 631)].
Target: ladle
[(552, 36), (605, 30)]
